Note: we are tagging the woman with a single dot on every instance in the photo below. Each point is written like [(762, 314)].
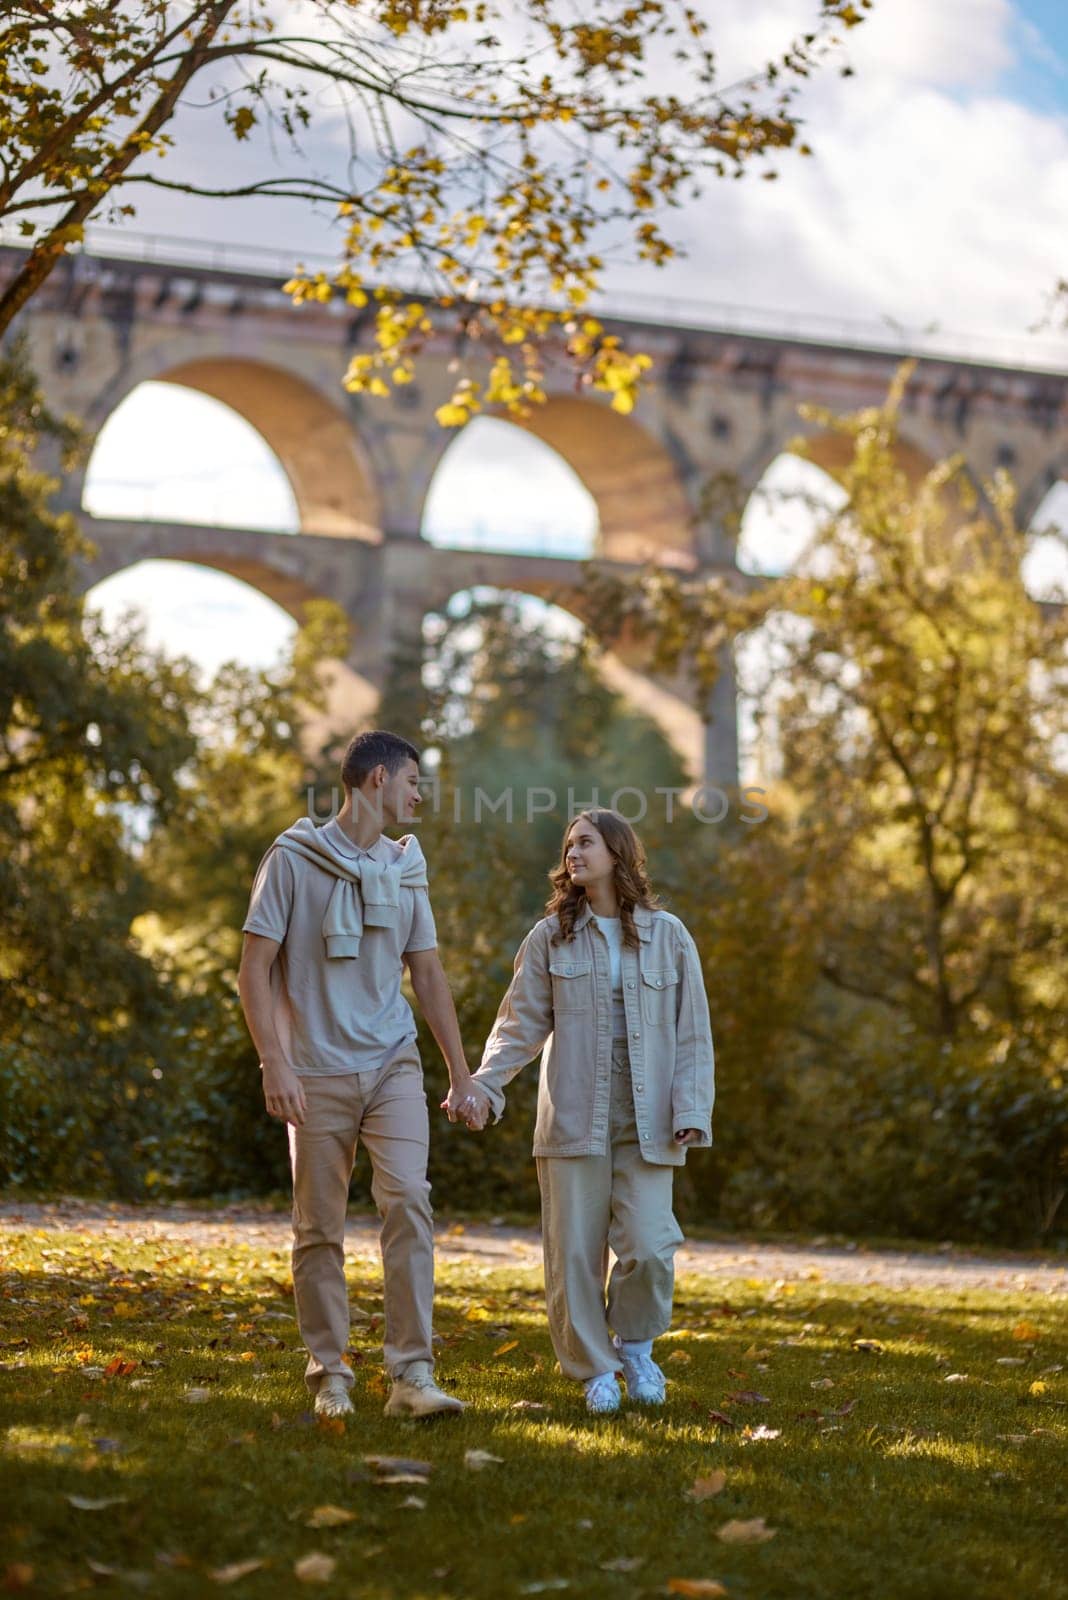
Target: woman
[(611, 987)]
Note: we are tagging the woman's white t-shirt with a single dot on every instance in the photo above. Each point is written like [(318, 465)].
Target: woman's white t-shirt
[(612, 928)]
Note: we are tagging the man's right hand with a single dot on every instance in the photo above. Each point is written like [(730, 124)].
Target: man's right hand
[(283, 1093)]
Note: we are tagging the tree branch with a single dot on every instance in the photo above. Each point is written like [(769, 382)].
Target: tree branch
[(46, 252)]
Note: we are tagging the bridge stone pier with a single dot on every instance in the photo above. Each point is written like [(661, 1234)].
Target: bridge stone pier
[(721, 403)]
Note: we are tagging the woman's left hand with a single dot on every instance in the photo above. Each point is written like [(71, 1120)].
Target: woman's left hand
[(687, 1136)]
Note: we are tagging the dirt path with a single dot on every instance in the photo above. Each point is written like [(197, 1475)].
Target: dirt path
[(490, 1244)]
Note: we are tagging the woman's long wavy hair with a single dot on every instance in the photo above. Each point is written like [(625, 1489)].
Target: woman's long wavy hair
[(631, 876)]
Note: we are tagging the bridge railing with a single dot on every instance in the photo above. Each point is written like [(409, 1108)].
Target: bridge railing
[(1036, 349)]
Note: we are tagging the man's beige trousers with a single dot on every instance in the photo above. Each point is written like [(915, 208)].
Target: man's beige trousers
[(593, 1204), (387, 1111)]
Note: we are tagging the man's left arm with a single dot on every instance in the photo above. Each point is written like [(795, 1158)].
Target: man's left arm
[(436, 1003)]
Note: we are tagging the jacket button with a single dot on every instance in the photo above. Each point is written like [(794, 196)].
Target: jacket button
[(638, 1088), (645, 1136), (635, 1034), (660, 983), (630, 983)]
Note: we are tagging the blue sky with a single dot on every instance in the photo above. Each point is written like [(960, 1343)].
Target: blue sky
[(1040, 76)]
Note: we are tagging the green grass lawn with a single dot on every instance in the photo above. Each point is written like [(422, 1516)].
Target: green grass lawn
[(156, 1434)]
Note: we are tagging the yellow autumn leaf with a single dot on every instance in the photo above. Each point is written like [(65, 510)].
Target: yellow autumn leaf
[(315, 1567), (234, 1570), (696, 1588), (755, 1531), (1038, 1388), (503, 1349), (451, 416), (1026, 1332), (706, 1488), (329, 1517)]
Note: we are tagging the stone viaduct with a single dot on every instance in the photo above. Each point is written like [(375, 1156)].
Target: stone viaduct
[(721, 402)]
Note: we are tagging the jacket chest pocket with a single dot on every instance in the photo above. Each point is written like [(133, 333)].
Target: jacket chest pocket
[(659, 995), (572, 985)]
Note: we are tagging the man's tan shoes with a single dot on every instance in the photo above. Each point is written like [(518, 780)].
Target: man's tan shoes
[(332, 1397), (417, 1395)]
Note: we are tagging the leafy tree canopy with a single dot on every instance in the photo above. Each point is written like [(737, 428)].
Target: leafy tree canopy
[(919, 707), (494, 148)]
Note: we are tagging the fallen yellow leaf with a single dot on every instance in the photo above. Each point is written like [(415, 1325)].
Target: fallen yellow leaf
[(314, 1567), (705, 1488), (681, 1356), (1038, 1388), (502, 1350), (696, 1588), (233, 1571), (755, 1531), (329, 1517), (1026, 1331)]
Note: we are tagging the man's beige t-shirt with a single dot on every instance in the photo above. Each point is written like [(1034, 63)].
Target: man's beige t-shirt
[(336, 1016)]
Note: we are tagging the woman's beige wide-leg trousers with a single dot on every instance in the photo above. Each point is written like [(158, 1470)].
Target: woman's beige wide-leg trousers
[(591, 1205)]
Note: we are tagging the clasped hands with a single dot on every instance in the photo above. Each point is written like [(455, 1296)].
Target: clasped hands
[(468, 1103)]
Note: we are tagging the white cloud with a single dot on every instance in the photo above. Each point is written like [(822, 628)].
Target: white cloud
[(922, 203), (196, 612), (498, 487), (169, 454), (935, 41)]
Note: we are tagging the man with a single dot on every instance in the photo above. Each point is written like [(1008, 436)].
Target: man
[(335, 913)]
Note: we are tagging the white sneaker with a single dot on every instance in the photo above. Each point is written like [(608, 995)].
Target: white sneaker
[(602, 1394), (332, 1397), (417, 1395), (645, 1382)]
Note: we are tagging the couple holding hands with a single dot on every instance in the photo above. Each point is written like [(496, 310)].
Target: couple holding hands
[(607, 987)]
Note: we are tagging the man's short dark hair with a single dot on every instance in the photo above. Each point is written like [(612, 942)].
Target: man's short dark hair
[(376, 749)]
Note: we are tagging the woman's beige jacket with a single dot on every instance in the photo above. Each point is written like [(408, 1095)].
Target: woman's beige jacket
[(560, 1001)]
